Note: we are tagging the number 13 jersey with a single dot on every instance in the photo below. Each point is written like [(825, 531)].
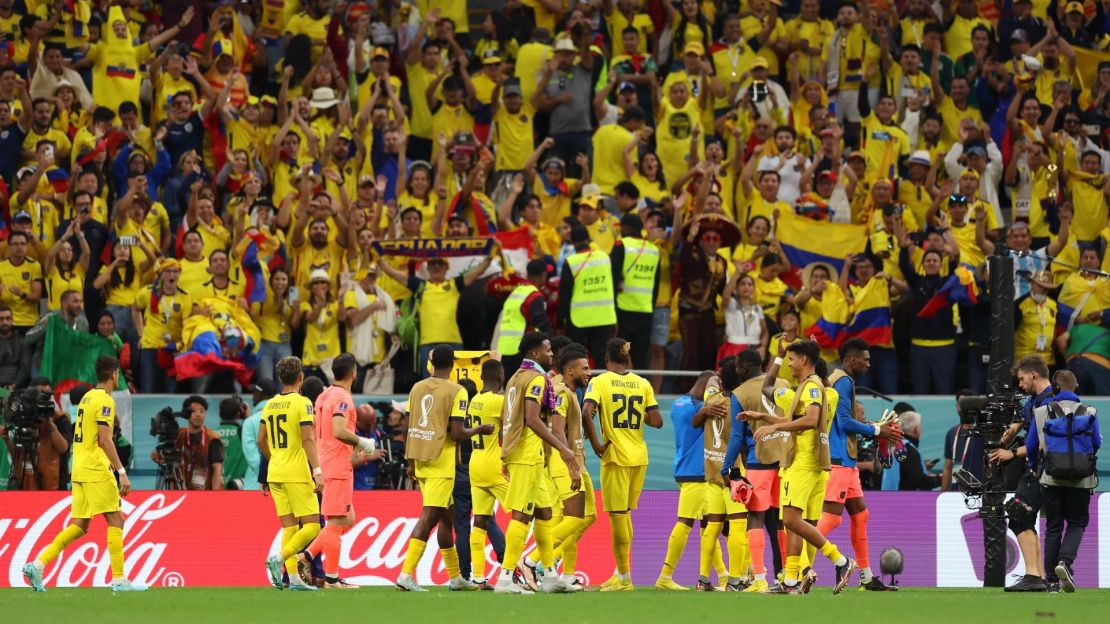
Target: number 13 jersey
[(622, 400), (283, 417)]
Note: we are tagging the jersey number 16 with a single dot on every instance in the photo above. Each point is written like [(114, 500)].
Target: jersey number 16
[(278, 437)]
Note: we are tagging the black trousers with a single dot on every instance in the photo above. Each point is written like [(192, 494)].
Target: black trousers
[(594, 339), (1060, 506), (635, 327)]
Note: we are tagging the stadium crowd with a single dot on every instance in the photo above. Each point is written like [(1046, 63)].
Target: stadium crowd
[(213, 186)]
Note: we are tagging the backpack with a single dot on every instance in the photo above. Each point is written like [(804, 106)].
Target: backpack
[(408, 325), (1069, 442)]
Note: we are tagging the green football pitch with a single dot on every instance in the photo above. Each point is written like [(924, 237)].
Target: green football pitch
[(645, 605)]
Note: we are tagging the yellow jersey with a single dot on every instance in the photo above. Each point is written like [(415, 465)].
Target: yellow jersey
[(485, 461), (805, 442), (163, 326), (513, 138), (283, 417), (24, 275), (622, 401), (274, 318), (90, 462), (321, 337), (56, 284)]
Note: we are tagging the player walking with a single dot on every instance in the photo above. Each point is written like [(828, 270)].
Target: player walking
[(806, 461), (334, 438), (437, 421), (624, 402), (294, 474), (487, 482), (94, 488), (529, 402), (843, 489), (761, 460)]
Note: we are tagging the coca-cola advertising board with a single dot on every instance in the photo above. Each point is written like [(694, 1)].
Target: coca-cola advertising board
[(174, 539)]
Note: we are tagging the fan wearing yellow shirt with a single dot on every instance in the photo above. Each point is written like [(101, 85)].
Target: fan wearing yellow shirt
[(437, 411), (512, 128), (1088, 189), (530, 403), (422, 65), (223, 282), (201, 216), (42, 114), (629, 13), (623, 402), (604, 229), (21, 282), (322, 314), (159, 312), (765, 202), (63, 270), (808, 412), (95, 493), (294, 475), (312, 22), (487, 481)]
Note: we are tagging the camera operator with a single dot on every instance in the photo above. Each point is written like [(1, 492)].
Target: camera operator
[(367, 465), (232, 412), (1022, 510), (1065, 485), (200, 448), (962, 449), (50, 472)]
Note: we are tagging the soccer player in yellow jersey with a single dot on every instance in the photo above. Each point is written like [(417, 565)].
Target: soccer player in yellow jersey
[(487, 481), (94, 490), (806, 465), (437, 416), (579, 506), (529, 403), (294, 475), (623, 402)]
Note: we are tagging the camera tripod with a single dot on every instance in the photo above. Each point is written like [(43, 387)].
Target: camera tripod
[(25, 459), (170, 475)]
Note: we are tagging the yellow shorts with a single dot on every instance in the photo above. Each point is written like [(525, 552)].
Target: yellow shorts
[(482, 497), (92, 498), (621, 486), (805, 490), (528, 488), (718, 501), (562, 486), (436, 491), (296, 498), (691, 499)]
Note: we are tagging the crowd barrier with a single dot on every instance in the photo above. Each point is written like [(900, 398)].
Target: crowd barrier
[(177, 539)]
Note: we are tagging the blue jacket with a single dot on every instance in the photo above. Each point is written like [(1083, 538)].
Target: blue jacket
[(1033, 437), (741, 440), (689, 442), (845, 423)]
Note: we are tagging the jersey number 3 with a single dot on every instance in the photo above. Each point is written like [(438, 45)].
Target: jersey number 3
[(629, 412), (278, 437)]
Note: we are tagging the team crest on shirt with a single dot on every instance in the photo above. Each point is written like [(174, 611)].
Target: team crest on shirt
[(26, 275), (176, 307), (523, 118), (814, 393)]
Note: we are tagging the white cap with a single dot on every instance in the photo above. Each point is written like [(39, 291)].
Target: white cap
[(920, 157)]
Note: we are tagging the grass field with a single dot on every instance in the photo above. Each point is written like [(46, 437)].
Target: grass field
[(248, 605)]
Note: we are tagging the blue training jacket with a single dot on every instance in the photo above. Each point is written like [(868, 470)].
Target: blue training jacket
[(689, 443), (845, 423)]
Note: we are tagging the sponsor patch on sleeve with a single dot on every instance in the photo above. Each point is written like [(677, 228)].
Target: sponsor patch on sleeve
[(106, 411), (343, 406)]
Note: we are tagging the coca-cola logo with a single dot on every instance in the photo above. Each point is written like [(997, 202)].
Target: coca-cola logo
[(87, 562)]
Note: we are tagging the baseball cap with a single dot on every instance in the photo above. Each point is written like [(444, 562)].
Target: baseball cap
[(491, 56), (264, 387), (1018, 35), (22, 215), (626, 86), (827, 174), (379, 51), (1074, 7), (856, 154), (759, 62), (511, 87), (693, 47), (591, 200), (977, 150)]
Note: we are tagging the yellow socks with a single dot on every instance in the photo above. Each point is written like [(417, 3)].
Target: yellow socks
[(515, 535), (70, 534), (676, 544), (709, 537), (738, 556), (792, 569), (412, 557), (287, 534), (298, 541), (115, 551), (831, 552), (621, 527), (450, 561), (805, 558), (570, 547), (478, 553)]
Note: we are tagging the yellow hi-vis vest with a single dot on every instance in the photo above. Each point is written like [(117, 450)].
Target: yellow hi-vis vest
[(1037, 329), (513, 322), (591, 301), (641, 261)]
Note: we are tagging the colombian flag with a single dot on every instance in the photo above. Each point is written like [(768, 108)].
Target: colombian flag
[(828, 331), (805, 240), (227, 340), (871, 318), (959, 288)]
